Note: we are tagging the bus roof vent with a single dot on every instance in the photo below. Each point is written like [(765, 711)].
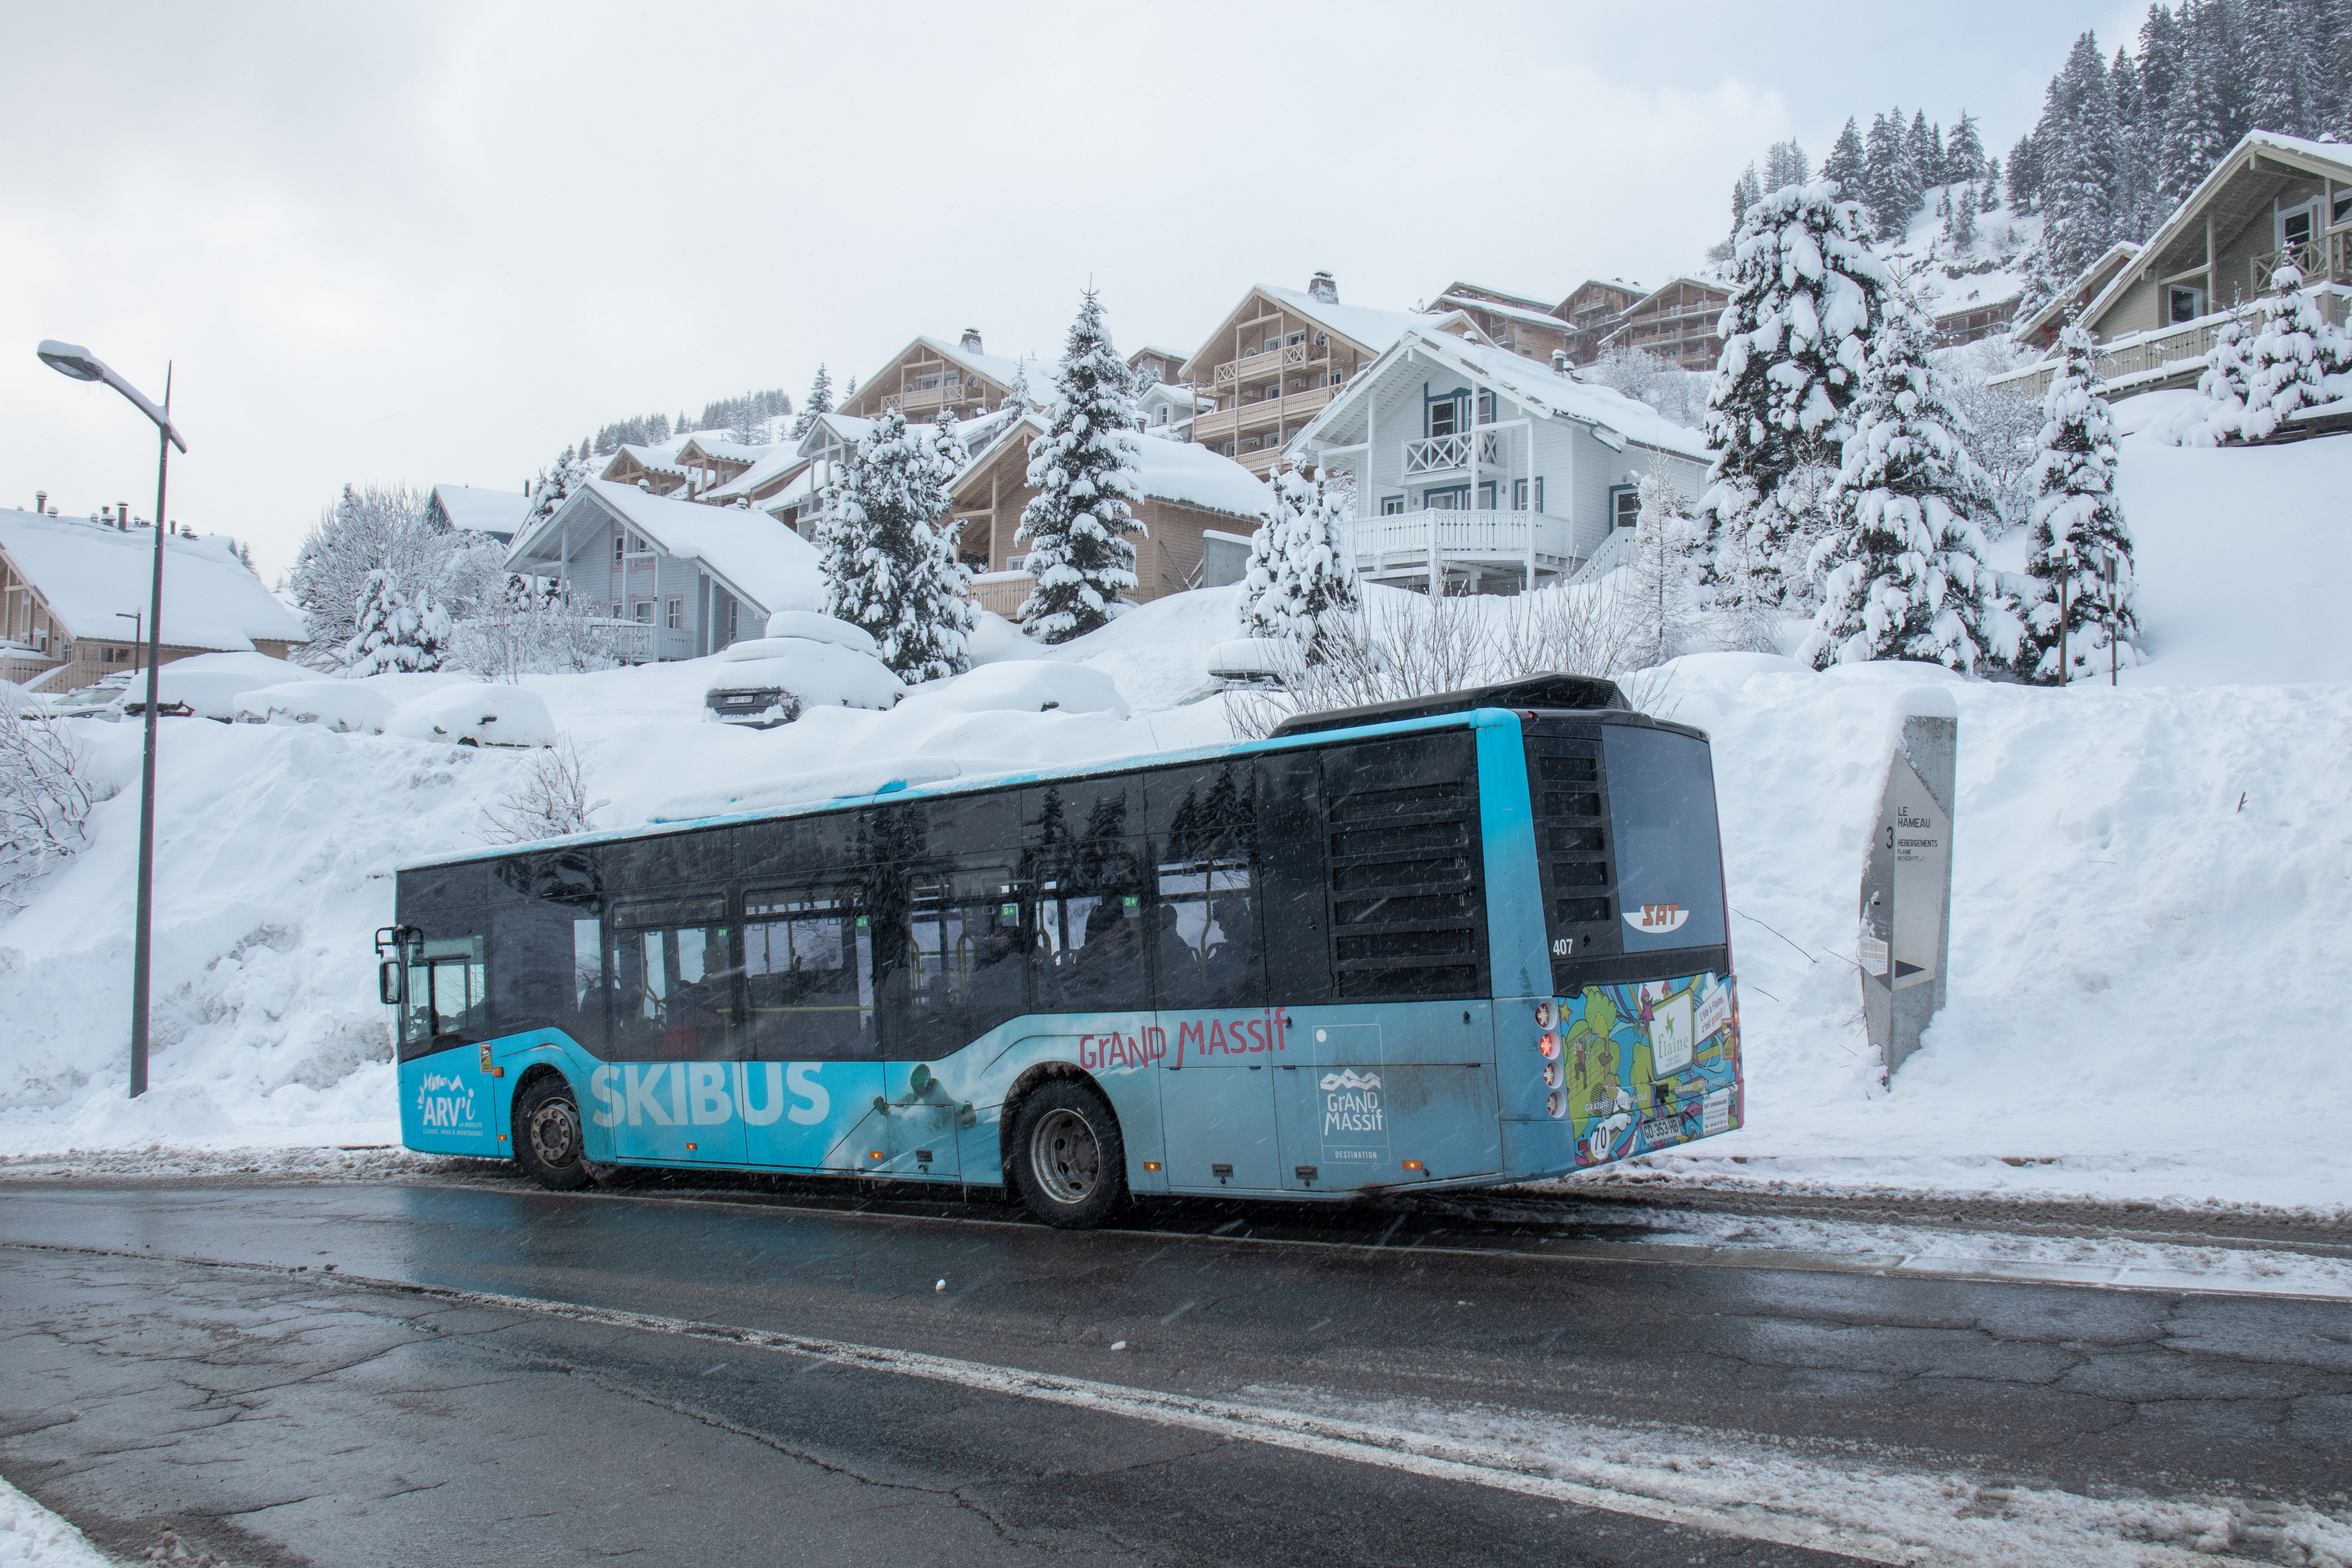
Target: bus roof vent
[(1553, 690)]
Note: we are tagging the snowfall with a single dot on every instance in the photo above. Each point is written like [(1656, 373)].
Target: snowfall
[(2149, 910)]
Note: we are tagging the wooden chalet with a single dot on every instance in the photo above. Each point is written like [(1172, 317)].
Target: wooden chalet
[(1278, 357), (1676, 323), (1592, 311), (930, 374), (654, 468), (1524, 326), (74, 594), (2275, 202), (1187, 493)]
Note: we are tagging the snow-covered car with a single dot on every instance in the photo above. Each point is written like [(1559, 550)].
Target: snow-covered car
[(475, 714), (1242, 662), (209, 685), (806, 661), (102, 701), (1026, 686), (343, 706)]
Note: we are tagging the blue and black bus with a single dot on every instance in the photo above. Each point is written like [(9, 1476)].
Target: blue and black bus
[(1454, 941)]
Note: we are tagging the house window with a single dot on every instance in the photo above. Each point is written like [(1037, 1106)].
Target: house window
[(1624, 505), (2341, 212), (2183, 304), (1272, 344), (1454, 499), (1392, 506), (734, 609), (1485, 408), (620, 547), (1274, 389), (641, 612), (2296, 228), (1486, 495), (1295, 338), (673, 614), (1229, 449), (1445, 414), (1519, 495), (617, 609)]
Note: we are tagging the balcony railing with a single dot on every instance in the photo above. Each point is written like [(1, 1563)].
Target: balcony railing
[(1446, 454), (2326, 259), (1402, 540), (2138, 361), (1272, 362)]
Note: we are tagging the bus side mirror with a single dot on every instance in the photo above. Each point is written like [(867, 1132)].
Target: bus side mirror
[(387, 981)]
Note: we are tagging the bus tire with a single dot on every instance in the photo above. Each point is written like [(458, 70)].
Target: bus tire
[(548, 1140), (1069, 1161)]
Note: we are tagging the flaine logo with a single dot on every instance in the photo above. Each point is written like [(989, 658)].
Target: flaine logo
[(1655, 919)]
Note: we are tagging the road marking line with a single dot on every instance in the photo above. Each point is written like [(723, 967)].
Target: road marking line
[(1354, 1442)]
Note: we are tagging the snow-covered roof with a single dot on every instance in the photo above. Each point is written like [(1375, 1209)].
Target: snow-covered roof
[(833, 429), (87, 572), (1373, 329), (1531, 384), (478, 511), (1530, 314), (658, 459), (753, 555), (726, 451), (781, 460), (2121, 254), (997, 368), (1183, 472)]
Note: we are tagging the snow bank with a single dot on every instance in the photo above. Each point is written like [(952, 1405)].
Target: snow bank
[(33, 1537), (1028, 686), (484, 714), (815, 628), (338, 704)]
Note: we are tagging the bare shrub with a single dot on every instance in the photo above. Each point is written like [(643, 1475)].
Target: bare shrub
[(549, 801), (45, 794), (525, 629)]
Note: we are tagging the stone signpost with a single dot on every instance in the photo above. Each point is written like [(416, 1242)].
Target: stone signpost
[(1907, 885)]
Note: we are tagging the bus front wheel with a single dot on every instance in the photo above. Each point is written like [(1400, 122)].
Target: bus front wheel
[(1068, 1160), (548, 1143)]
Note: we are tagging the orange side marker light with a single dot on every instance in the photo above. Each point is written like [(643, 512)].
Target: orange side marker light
[(1413, 1164)]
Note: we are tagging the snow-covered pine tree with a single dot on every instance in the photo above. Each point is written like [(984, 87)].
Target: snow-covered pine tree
[(1301, 584), (1893, 189), (2135, 198), (2076, 520), (1744, 191), (1964, 150), (1848, 164), (551, 489), (1924, 143), (1785, 164), (2159, 66), (1654, 587), (1084, 471), (2260, 372), (820, 401), (2079, 177), (1901, 570), (2281, 46), (1989, 196), (889, 566), (395, 629), (2197, 122), (2025, 174), (1808, 298), (1961, 224)]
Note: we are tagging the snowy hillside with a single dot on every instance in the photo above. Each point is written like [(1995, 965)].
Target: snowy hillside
[(2150, 885), (1945, 276)]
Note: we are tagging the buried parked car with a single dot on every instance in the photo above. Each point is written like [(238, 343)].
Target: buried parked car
[(475, 714), (343, 706), (1026, 686), (806, 661), (211, 685), (101, 700)]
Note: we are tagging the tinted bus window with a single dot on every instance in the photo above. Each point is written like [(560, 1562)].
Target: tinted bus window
[(1568, 789), (1204, 918), (447, 1001), (1084, 873), (808, 976), (1669, 860), (956, 965), (1405, 891), (671, 963), (547, 946)]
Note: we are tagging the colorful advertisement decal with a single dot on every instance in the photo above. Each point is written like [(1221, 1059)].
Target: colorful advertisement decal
[(1650, 1064)]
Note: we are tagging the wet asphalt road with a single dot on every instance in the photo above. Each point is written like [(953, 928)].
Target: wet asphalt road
[(276, 1417)]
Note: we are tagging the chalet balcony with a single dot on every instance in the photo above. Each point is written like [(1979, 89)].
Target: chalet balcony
[(2326, 259), (1400, 543), (1272, 362), (1451, 454), (2141, 362)]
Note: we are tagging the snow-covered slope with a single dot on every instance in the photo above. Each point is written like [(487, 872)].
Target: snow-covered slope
[(1988, 270), (2151, 881)]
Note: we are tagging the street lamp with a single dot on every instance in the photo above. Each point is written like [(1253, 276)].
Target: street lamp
[(73, 360), (138, 633)]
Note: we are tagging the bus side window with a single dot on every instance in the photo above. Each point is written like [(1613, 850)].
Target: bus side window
[(953, 966), (1206, 931), (1407, 917), (448, 995), (1085, 874), (808, 976), (672, 972)]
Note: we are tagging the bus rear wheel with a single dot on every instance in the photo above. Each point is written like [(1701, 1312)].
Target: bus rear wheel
[(548, 1143), (1068, 1159)]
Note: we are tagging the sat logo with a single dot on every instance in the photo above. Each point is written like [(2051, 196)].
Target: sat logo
[(1655, 919)]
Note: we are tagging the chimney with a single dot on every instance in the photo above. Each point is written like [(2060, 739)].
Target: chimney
[(1321, 287), (40, 503), (1559, 360), (122, 517), (972, 339)]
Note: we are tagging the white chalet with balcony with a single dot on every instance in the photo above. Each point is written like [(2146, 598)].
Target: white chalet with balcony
[(1484, 471)]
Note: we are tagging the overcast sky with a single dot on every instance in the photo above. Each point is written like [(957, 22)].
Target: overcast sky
[(437, 243)]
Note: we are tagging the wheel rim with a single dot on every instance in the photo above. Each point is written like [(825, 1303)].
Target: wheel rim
[(555, 1132), (1065, 1157)]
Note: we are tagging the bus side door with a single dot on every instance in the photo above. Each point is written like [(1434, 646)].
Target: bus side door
[(674, 1032)]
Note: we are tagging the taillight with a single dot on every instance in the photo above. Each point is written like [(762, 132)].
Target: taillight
[(1556, 1103), (1551, 1075), (1543, 1015), (1548, 1044)]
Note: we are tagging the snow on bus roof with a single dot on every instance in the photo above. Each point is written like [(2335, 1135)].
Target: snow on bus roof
[(87, 572)]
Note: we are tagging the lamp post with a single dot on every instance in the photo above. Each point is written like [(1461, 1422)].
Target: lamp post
[(137, 634), (73, 360)]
